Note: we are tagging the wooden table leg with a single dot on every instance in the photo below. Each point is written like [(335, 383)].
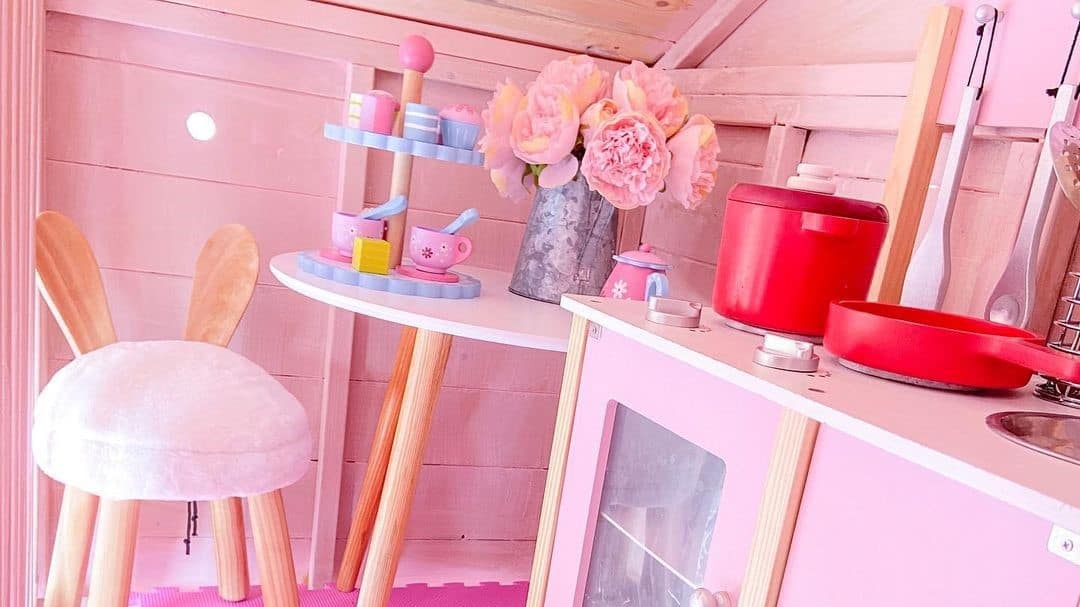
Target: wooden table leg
[(367, 505), (421, 391), (273, 551), (71, 549), (230, 548), (114, 554), (560, 448)]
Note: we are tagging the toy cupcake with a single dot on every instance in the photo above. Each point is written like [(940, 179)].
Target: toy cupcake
[(460, 125)]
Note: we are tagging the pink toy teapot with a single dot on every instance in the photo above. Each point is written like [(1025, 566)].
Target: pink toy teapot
[(637, 275)]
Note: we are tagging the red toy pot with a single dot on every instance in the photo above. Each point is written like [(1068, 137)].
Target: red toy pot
[(786, 254)]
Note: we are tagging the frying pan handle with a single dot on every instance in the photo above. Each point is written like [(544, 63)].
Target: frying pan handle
[(1038, 357), (831, 225)]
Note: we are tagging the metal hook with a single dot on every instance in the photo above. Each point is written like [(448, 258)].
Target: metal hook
[(984, 14), (1075, 12)]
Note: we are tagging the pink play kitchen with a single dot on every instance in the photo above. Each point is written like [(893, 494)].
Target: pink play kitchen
[(745, 303)]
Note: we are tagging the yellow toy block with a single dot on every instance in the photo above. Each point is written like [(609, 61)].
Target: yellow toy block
[(371, 255)]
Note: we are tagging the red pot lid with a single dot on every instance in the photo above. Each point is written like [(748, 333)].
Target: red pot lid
[(643, 258), (801, 200)]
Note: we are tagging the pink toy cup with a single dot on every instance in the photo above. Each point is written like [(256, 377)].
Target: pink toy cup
[(433, 251), (347, 227)]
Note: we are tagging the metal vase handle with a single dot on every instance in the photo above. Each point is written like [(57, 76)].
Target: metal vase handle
[(656, 285)]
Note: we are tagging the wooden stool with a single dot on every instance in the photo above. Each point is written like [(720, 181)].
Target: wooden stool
[(128, 422)]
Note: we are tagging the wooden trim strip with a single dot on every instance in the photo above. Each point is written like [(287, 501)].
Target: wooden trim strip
[(22, 30), (790, 463), (916, 150), (850, 79), (560, 448), (783, 153), (846, 113), (337, 367)]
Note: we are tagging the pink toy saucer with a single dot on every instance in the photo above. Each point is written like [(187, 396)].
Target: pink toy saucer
[(333, 255), (414, 272)]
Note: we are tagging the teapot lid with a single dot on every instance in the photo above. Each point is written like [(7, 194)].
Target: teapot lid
[(643, 257)]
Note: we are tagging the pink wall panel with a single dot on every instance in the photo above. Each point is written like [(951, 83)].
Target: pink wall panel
[(472, 427), (121, 163), (1029, 54), (877, 530), (159, 223), (133, 117)]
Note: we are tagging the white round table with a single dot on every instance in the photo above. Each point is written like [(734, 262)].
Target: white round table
[(496, 316)]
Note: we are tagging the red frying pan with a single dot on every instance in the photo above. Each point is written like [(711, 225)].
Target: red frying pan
[(940, 350)]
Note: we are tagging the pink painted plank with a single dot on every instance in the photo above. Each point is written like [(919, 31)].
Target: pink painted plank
[(462, 502), (350, 44), (281, 331), (1015, 84), (166, 220), (160, 563), (695, 234), (472, 427), (473, 364), (690, 279), (742, 144), (132, 117), (946, 543), (184, 53), (452, 502)]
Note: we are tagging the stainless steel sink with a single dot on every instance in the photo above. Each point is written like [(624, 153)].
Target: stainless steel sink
[(1050, 433)]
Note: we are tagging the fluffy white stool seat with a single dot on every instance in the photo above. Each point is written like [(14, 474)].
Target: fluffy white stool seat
[(169, 420)]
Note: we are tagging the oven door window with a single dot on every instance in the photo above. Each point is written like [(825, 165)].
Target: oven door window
[(657, 513)]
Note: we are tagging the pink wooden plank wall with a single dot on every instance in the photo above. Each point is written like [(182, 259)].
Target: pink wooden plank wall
[(994, 186), (120, 162)]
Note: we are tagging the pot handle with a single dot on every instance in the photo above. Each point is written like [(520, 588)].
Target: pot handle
[(831, 225), (1040, 358)]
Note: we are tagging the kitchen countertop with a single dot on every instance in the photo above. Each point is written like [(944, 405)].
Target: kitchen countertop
[(943, 431)]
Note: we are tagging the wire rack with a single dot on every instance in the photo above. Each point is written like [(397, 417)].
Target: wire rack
[(1064, 336)]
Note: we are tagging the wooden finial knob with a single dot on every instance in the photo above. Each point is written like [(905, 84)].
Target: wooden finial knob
[(416, 53), (1075, 10)]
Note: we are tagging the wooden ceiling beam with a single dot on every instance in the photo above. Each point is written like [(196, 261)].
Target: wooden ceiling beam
[(707, 33), (519, 25)]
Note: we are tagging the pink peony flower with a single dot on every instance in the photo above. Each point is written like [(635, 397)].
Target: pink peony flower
[(506, 169), (601, 111), (580, 76), (558, 174), (545, 127), (693, 162), (642, 89), (626, 160)]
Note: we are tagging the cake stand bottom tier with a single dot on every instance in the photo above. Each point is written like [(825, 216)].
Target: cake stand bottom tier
[(312, 262)]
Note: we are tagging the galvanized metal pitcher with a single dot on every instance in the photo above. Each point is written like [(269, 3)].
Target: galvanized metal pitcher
[(568, 245)]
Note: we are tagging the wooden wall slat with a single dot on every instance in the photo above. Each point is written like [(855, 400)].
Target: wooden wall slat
[(158, 223), (182, 53), (132, 117), (472, 426)]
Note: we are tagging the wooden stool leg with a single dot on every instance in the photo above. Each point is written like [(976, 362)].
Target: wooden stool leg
[(368, 502), (71, 549), (273, 550), (425, 376), (230, 549), (114, 554)]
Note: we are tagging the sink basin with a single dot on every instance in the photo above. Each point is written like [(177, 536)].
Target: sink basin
[(1050, 433)]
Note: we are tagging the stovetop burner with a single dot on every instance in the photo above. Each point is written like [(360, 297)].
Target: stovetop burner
[(734, 324), (904, 379)]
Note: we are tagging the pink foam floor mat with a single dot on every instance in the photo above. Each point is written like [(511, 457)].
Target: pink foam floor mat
[(486, 594)]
